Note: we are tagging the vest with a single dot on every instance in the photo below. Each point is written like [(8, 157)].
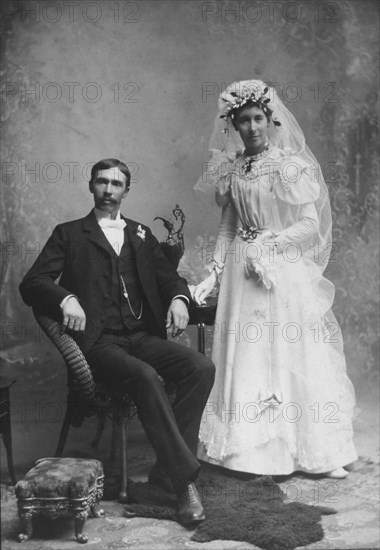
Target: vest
[(121, 312)]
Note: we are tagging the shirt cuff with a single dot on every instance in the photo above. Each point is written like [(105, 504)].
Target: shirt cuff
[(183, 298), (66, 298)]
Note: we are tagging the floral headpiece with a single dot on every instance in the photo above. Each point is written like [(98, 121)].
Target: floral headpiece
[(235, 99)]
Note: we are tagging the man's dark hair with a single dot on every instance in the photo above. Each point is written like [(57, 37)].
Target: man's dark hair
[(105, 164)]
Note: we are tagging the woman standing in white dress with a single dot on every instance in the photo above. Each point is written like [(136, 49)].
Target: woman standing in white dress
[(282, 401)]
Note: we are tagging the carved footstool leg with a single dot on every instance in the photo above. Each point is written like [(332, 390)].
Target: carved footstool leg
[(26, 518), (97, 512), (58, 485), (80, 517)]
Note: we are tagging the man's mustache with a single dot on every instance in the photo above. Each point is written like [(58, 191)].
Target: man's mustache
[(108, 199)]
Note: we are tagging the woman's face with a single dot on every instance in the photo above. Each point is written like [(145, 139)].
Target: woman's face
[(252, 125)]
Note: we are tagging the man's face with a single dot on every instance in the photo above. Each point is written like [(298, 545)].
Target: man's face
[(109, 189)]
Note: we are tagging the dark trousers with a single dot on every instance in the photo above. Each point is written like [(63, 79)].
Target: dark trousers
[(132, 363)]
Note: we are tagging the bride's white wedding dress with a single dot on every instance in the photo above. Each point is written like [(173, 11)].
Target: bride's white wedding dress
[(282, 400)]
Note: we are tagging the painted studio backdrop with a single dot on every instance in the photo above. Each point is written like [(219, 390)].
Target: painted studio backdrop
[(139, 81)]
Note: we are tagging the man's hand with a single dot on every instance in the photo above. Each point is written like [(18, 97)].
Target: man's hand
[(74, 317), (177, 317)]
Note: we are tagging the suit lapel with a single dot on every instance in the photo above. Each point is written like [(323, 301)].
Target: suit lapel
[(134, 239), (141, 254), (145, 269), (95, 234)]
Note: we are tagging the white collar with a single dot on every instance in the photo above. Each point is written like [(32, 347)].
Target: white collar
[(100, 215)]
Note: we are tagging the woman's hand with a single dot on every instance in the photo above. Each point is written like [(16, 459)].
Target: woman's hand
[(204, 289)]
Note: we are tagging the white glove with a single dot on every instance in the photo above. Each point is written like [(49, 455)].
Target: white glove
[(204, 289)]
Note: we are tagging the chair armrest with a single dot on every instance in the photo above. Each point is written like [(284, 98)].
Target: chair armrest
[(78, 368), (203, 314)]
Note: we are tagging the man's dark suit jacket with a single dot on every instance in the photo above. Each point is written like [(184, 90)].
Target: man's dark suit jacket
[(79, 253)]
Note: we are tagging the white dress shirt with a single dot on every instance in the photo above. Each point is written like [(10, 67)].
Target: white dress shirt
[(112, 229)]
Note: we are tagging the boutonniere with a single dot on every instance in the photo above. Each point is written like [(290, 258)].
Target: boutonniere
[(140, 232)]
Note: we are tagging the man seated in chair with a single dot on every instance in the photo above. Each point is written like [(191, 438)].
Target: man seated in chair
[(119, 294)]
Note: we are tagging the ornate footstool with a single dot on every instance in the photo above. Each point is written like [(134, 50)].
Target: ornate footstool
[(58, 485)]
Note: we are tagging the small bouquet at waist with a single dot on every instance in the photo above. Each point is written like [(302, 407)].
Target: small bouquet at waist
[(260, 254), (249, 234)]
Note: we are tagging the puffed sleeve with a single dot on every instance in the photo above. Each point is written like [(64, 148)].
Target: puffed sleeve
[(221, 168), (295, 181)]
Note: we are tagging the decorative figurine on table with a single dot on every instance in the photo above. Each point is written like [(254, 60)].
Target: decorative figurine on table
[(174, 246)]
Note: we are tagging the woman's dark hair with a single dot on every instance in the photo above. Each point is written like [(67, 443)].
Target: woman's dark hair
[(251, 103), (105, 164)]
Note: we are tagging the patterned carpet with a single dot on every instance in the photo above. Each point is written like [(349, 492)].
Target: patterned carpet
[(35, 426), (355, 526)]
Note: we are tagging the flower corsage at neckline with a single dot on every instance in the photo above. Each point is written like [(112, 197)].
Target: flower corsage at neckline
[(249, 160)]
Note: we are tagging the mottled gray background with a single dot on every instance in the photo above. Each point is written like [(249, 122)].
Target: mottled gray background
[(140, 80)]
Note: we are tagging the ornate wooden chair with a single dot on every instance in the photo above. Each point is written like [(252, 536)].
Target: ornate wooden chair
[(174, 247)]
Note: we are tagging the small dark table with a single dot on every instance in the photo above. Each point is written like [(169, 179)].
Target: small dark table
[(5, 422), (202, 316)]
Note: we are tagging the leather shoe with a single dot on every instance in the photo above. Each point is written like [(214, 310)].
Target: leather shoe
[(159, 478), (189, 506)]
